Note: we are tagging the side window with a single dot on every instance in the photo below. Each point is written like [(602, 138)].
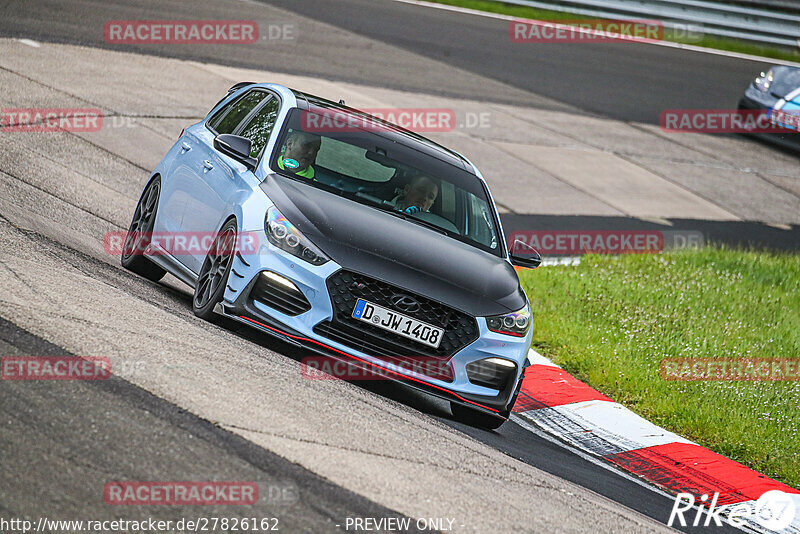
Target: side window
[(228, 118), (447, 192), (480, 222), (260, 126)]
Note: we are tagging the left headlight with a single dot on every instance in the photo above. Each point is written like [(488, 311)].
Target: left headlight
[(513, 324), (764, 80), (285, 236)]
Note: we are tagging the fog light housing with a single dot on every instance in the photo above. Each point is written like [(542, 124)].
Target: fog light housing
[(492, 373), (280, 293)]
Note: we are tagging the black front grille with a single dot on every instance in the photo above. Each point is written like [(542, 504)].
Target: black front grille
[(285, 299), (345, 288)]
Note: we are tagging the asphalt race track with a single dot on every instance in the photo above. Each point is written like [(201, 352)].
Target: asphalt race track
[(200, 401), (624, 82)]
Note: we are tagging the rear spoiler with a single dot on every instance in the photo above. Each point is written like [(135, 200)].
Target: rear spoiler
[(232, 90), (238, 86)]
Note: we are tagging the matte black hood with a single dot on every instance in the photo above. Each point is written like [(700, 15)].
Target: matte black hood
[(366, 240)]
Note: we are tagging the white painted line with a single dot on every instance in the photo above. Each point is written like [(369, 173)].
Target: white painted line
[(593, 459), (29, 42), (668, 44), (537, 359), (601, 427)]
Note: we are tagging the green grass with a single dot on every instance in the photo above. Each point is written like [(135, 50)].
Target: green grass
[(611, 320), (720, 43)]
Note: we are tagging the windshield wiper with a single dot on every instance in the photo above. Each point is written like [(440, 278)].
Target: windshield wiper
[(430, 225), (380, 204), (383, 206)]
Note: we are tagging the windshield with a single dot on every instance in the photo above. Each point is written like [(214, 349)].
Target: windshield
[(358, 162)]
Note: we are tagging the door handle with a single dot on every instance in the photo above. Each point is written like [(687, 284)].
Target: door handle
[(185, 147), (207, 165)]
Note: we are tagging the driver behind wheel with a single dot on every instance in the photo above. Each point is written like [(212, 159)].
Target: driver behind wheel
[(417, 195), (299, 153)]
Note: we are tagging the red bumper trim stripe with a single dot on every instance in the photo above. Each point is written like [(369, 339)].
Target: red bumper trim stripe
[(383, 369)]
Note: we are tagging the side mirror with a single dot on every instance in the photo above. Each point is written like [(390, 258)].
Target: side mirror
[(531, 260), (237, 147)]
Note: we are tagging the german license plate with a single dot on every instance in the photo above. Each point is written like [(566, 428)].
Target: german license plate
[(398, 323)]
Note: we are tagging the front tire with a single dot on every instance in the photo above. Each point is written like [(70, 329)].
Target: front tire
[(213, 277), (140, 234), (475, 418)]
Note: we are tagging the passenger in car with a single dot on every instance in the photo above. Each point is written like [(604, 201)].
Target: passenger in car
[(417, 195), (299, 153)]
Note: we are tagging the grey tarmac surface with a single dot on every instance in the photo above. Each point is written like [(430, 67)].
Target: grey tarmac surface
[(371, 445), (64, 441), (550, 148), (60, 193), (402, 46)]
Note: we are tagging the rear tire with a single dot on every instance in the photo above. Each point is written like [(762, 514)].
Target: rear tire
[(475, 418), (210, 286), (140, 233)]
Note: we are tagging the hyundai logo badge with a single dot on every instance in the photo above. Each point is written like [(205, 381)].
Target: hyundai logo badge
[(404, 303)]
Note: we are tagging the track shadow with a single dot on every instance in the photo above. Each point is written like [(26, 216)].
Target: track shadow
[(389, 389)]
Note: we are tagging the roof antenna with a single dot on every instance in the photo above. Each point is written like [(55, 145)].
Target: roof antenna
[(341, 101)]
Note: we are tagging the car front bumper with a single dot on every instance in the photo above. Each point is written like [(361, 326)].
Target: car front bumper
[(299, 329)]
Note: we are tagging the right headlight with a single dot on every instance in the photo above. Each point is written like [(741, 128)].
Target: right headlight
[(764, 80), (285, 236), (513, 324)]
